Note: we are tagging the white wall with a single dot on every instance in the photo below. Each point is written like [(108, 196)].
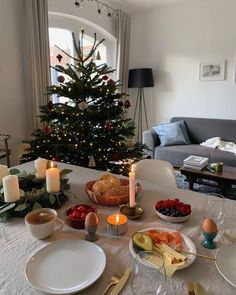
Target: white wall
[(173, 40), (12, 103)]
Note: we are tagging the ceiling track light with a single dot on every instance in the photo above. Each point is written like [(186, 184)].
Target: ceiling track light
[(100, 5)]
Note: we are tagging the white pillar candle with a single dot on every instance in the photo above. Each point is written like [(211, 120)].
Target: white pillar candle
[(41, 167), (53, 180), (3, 172), (132, 187), (11, 189)]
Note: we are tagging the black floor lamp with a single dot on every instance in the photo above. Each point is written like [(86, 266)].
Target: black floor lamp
[(140, 78)]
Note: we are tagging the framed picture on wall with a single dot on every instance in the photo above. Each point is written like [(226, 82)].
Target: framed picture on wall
[(212, 71)]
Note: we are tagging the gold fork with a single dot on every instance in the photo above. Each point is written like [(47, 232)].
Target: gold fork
[(115, 278)]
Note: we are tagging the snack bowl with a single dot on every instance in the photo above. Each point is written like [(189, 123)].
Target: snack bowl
[(75, 215), (168, 206), (115, 199)]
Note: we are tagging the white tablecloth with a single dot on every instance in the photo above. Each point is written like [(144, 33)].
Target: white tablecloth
[(17, 245)]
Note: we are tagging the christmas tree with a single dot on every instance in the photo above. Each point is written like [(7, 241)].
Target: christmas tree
[(90, 128)]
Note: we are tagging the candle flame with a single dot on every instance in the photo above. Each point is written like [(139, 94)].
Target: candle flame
[(117, 218), (51, 164)]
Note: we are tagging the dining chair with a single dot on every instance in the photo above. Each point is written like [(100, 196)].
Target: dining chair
[(4, 149), (157, 171)]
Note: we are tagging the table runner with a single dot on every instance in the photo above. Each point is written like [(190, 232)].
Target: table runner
[(17, 245)]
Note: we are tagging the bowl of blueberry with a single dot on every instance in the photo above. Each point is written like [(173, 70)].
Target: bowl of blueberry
[(173, 210)]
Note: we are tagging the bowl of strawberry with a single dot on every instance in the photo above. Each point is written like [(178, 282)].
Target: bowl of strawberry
[(173, 210), (75, 215)]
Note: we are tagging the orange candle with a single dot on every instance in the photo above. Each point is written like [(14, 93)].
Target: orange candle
[(117, 224)]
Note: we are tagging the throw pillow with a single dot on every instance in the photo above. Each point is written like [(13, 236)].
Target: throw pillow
[(172, 133)]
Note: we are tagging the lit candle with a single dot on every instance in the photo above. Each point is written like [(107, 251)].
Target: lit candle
[(132, 187), (117, 224), (41, 167), (11, 189), (3, 172), (53, 179)]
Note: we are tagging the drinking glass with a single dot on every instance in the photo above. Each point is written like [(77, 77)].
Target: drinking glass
[(214, 208), (149, 276)]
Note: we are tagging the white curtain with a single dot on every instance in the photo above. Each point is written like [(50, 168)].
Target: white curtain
[(123, 46), (36, 57)]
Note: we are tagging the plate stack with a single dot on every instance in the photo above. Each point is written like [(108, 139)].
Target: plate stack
[(196, 162)]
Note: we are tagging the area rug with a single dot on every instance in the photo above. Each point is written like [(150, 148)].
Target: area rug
[(183, 184)]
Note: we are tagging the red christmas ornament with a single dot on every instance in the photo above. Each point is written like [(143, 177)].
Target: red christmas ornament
[(60, 79), (120, 103), (107, 125), (115, 156), (47, 129), (50, 105), (127, 104), (105, 77)]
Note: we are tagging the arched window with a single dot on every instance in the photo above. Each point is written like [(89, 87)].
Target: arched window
[(60, 35)]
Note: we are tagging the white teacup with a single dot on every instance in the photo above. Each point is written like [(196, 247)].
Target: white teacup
[(42, 222)]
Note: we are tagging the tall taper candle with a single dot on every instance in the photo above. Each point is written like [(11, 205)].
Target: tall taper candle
[(3, 172), (53, 180), (132, 187), (11, 189), (41, 167)]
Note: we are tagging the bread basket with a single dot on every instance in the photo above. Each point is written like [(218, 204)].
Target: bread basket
[(111, 200)]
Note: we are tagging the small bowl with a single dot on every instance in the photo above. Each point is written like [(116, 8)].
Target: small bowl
[(171, 218), (77, 223)]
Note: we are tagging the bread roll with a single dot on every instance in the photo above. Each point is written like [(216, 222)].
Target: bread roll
[(113, 180), (100, 186), (117, 191)]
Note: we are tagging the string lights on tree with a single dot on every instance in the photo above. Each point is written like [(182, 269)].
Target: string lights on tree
[(90, 128)]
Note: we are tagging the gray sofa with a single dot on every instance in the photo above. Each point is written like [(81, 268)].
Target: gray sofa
[(199, 130)]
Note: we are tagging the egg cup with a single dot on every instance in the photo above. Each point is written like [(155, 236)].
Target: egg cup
[(208, 242)]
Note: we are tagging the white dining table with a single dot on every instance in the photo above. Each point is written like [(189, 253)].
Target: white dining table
[(17, 245)]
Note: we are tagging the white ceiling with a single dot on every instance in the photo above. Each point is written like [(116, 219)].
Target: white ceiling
[(134, 5)]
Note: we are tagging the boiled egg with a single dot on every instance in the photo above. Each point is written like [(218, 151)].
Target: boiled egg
[(91, 219), (209, 225)]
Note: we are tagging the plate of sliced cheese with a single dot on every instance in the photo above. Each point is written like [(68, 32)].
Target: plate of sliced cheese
[(168, 243)]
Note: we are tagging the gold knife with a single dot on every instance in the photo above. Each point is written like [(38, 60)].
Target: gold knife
[(120, 285)]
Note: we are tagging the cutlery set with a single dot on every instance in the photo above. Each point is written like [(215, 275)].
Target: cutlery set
[(119, 279)]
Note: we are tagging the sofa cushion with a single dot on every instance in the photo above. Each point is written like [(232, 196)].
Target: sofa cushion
[(172, 133)]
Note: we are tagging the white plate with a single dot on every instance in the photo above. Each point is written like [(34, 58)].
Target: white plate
[(226, 263), (188, 245), (65, 266)]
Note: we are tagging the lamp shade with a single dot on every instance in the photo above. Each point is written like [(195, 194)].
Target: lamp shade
[(139, 78)]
